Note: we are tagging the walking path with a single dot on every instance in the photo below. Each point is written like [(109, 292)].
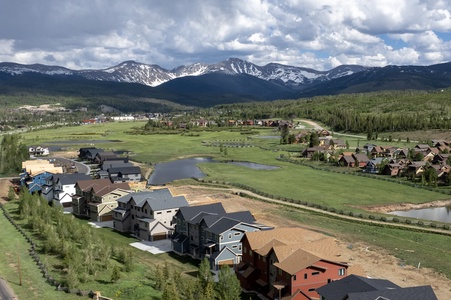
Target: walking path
[(328, 213)]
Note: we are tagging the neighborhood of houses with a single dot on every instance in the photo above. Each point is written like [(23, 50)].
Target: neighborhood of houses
[(388, 160), (276, 263)]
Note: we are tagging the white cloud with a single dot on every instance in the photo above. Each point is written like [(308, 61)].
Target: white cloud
[(309, 33)]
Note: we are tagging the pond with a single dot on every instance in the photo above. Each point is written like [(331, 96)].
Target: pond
[(440, 214), (187, 168)]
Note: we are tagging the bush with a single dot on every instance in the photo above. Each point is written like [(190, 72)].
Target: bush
[(351, 214), (383, 219), (446, 227), (395, 220), (371, 217), (420, 223), (433, 225), (408, 221)]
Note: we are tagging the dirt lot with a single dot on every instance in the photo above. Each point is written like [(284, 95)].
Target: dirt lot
[(365, 259)]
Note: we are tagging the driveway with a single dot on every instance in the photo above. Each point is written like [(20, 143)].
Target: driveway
[(6, 293), (156, 247)]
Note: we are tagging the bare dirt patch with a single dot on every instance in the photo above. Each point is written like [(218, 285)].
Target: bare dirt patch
[(5, 184), (365, 258)]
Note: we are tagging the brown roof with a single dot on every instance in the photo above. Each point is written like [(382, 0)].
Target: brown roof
[(87, 184), (112, 187), (294, 235), (297, 260)]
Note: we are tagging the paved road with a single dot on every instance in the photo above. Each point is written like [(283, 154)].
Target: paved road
[(81, 168), (6, 293)]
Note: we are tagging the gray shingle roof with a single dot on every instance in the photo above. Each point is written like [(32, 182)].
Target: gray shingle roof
[(337, 290), (409, 293), (157, 199), (189, 213)]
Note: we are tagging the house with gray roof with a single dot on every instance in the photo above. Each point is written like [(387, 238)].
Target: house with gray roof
[(355, 287), (148, 214), (209, 231), (59, 188)]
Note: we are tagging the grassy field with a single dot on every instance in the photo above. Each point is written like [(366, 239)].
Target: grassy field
[(331, 189), (137, 284), (14, 248), (293, 181)]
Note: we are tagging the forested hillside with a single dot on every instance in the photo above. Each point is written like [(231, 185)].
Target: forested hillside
[(365, 112)]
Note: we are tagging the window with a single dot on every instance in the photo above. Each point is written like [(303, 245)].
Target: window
[(230, 235), (168, 211), (159, 213), (145, 210), (234, 246), (236, 233), (305, 276), (311, 290), (315, 273), (341, 272), (294, 277)]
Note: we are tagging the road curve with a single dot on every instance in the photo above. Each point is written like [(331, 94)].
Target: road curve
[(6, 293)]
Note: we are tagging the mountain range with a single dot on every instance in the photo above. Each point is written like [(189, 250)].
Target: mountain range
[(232, 80)]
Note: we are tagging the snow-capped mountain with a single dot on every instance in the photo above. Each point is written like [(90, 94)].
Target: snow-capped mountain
[(154, 75)]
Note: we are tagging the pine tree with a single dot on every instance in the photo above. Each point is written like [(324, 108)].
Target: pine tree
[(115, 274), (228, 284)]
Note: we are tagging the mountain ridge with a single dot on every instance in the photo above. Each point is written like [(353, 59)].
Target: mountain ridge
[(154, 75)]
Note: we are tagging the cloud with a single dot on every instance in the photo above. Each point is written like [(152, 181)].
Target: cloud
[(319, 34)]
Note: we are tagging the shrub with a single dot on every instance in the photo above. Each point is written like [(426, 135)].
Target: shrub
[(433, 225), (395, 220), (446, 227), (383, 219), (371, 217), (351, 214), (420, 223), (408, 221), (360, 215)]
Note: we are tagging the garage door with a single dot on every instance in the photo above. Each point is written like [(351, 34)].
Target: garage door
[(106, 218), (228, 262), (159, 236)]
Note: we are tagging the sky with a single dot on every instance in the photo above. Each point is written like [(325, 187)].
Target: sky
[(317, 34)]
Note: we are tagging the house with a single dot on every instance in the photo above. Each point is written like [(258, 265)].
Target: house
[(372, 166), (393, 169), (360, 159), (377, 151), (59, 188), (209, 231), (309, 152), (96, 198), (441, 158), (346, 161), (416, 167), (148, 214), (100, 157), (35, 173), (88, 153), (355, 287), (38, 151), (125, 174), (282, 264)]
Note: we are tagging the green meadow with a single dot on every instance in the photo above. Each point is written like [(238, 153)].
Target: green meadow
[(332, 189)]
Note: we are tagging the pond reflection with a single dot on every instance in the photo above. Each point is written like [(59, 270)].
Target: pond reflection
[(440, 214)]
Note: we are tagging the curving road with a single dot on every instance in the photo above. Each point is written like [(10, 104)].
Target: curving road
[(6, 293)]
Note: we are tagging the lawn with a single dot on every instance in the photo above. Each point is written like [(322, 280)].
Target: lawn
[(137, 284), (14, 248)]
